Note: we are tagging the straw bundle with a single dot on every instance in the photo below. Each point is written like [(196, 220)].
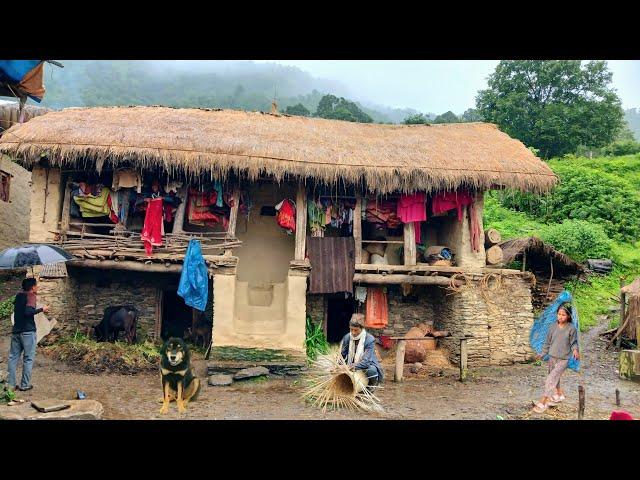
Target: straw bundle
[(331, 382)]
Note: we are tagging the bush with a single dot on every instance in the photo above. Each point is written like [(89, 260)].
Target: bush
[(578, 239), (585, 192), (626, 147)]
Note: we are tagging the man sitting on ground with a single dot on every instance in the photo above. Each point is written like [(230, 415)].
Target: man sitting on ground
[(358, 350)]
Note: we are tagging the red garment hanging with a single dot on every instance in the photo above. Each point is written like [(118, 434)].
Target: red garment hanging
[(377, 309), (153, 226), (445, 201)]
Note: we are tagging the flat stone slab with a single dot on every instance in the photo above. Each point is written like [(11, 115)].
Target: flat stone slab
[(220, 380), (251, 373), (78, 410)]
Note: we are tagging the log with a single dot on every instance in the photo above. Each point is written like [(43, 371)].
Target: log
[(410, 255), (491, 237), (494, 255), (581, 402), (357, 229), (400, 360), (463, 359), (301, 223), (617, 397), (398, 279), (629, 367), (127, 265)]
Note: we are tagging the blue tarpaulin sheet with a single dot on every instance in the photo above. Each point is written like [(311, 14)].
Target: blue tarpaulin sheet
[(15, 70), (548, 318), (194, 281)]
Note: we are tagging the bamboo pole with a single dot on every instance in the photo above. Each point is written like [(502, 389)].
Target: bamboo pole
[(301, 222), (357, 229)]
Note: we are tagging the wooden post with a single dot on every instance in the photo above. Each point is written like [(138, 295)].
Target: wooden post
[(617, 397), (178, 221), (463, 359), (524, 260), (301, 222), (46, 194), (409, 243), (580, 402), (623, 304), (66, 211), (402, 345), (233, 215), (357, 229)]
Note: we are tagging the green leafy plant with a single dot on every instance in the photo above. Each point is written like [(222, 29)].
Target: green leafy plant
[(6, 308), (8, 395), (315, 342), (578, 239)]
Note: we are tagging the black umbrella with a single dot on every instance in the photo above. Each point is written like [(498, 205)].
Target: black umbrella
[(30, 255)]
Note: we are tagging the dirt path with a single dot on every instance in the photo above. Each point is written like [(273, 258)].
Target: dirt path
[(431, 394)]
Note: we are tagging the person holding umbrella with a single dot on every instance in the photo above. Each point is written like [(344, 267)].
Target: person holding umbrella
[(23, 335)]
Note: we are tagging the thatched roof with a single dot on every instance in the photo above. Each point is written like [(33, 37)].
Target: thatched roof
[(9, 114), (386, 157), (538, 253)]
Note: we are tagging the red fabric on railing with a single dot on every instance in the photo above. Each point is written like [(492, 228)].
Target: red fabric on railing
[(153, 227)]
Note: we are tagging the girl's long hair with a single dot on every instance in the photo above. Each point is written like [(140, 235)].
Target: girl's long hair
[(567, 309)]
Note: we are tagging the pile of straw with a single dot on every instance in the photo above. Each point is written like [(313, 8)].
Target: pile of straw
[(332, 383)]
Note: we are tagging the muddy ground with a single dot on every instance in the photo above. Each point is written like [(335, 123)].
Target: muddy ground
[(432, 393)]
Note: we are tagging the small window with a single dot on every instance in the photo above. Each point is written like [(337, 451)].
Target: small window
[(5, 182)]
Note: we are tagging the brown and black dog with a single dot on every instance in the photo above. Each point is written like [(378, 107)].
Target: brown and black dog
[(178, 380)]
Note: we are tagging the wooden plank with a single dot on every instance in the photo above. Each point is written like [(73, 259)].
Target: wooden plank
[(357, 229), (399, 370), (377, 279), (398, 242), (301, 222), (66, 210), (409, 244), (128, 265), (581, 402), (178, 222), (463, 359)]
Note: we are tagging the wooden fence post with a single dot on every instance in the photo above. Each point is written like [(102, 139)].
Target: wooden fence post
[(402, 344), (580, 402), (463, 359)]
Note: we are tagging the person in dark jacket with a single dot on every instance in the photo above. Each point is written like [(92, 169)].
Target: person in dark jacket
[(23, 335), (358, 350)]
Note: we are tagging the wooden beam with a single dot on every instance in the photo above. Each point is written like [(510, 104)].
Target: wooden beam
[(66, 210), (398, 279), (301, 222), (409, 244), (127, 265), (399, 370), (357, 229)]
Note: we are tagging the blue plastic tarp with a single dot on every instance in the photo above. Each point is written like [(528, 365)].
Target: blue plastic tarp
[(549, 317), (194, 281), (15, 70)]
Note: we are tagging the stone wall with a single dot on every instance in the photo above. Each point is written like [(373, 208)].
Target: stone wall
[(14, 214)]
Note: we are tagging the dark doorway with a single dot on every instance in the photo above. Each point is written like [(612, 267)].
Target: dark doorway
[(339, 311), (176, 315)]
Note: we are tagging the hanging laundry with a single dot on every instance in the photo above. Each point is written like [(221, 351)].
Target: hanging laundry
[(332, 264), (443, 202), (383, 212), (412, 208), (218, 188), (126, 179), (377, 309), (198, 208), (153, 226), (286, 216), (94, 206), (194, 280)]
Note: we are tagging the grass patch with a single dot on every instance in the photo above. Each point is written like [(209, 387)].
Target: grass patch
[(6, 308), (94, 357)]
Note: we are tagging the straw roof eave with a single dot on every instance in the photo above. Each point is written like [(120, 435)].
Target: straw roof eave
[(384, 157), (514, 248)]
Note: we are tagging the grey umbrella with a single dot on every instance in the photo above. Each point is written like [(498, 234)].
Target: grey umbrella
[(30, 255)]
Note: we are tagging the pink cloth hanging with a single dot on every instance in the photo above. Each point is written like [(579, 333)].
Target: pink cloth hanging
[(412, 208), (445, 201)]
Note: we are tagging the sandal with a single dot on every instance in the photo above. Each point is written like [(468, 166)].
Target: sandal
[(539, 408)]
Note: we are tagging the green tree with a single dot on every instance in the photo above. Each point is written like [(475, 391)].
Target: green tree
[(471, 115), (447, 117), (416, 119), (553, 105), (338, 108), (298, 109)]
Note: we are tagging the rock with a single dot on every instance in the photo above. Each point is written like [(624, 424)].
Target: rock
[(251, 372), (79, 410), (415, 368), (220, 380)]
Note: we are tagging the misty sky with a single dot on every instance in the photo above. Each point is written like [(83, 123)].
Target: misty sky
[(436, 85)]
